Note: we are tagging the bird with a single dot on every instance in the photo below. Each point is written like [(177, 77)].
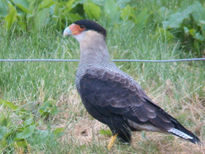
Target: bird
[(112, 96)]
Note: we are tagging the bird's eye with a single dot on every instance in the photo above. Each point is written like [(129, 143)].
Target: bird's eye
[(82, 26)]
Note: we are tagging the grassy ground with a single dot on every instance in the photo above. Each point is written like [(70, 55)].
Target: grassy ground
[(179, 88)]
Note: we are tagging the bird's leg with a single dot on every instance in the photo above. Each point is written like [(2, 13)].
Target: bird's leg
[(112, 140)]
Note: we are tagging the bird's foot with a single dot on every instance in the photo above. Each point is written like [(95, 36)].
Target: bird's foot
[(112, 141)]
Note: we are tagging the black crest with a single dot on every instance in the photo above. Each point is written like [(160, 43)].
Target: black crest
[(91, 25)]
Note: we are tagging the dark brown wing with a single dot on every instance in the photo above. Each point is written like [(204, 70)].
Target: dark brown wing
[(107, 94), (116, 100)]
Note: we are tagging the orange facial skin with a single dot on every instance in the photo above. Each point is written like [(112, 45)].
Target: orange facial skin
[(76, 29)]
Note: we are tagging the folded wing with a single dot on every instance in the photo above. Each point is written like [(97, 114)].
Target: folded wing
[(108, 94)]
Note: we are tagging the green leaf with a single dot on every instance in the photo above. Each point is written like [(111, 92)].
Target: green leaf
[(41, 136), (46, 4), (73, 17), (198, 36), (192, 31), (105, 132), (58, 131), (198, 12), (127, 13), (8, 104), (123, 3), (27, 132), (22, 22), (186, 30), (48, 108), (3, 8), (92, 10), (11, 17), (202, 22), (21, 143), (175, 20), (69, 5), (23, 5), (28, 121), (41, 19), (111, 10), (142, 18)]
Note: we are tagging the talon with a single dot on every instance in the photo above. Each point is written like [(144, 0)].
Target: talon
[(112, 141)]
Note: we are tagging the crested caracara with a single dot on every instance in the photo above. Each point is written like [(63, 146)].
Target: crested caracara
[(112, 96)]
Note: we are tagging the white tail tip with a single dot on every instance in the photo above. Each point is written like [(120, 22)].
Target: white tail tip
[(179, 133)]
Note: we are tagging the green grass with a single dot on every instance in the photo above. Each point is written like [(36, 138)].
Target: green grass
[(49, 87)]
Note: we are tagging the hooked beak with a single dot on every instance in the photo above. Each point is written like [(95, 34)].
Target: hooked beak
[(67, 32)]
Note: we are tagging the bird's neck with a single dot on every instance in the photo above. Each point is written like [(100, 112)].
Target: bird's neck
[(93, 50)]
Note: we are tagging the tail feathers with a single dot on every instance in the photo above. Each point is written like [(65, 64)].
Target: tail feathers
[(185, 134), (124, 136)]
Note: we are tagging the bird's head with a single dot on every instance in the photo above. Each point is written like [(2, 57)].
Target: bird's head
[(79, 29)]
